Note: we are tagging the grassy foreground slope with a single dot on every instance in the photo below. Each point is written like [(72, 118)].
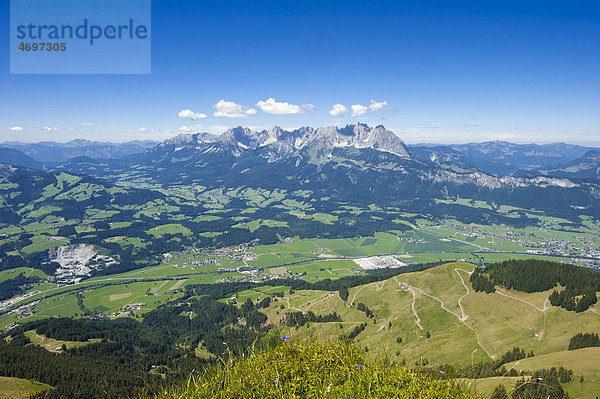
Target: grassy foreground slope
[(318, 370)]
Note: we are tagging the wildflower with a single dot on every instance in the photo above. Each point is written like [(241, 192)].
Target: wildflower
[(285, 337), (360, 367)]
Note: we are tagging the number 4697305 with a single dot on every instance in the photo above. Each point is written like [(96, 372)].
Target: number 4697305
[(43, 46)]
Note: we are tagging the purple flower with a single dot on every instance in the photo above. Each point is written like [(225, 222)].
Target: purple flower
[(285, 337), (359, 367)]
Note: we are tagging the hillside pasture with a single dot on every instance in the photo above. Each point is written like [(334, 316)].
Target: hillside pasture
[(15, 388), (464, 326), (55, 345)]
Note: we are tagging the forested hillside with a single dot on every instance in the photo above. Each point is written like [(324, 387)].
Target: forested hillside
[(578, 284)]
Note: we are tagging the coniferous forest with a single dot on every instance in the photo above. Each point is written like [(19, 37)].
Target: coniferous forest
[(576, 286), (584, 340)]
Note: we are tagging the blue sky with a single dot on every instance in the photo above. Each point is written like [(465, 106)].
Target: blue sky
[(437, 71)]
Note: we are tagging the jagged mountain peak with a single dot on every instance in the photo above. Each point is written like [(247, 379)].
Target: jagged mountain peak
[(360, 135)]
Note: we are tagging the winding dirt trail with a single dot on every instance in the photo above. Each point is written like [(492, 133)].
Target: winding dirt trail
[(356, 293), (328, 296), (459, 317), (417, 319), (340, 298), (441, 303), (462, 311), (43, 338), (524, 301), (290, 306)]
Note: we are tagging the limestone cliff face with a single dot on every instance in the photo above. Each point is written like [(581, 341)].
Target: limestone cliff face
[(280, 143)]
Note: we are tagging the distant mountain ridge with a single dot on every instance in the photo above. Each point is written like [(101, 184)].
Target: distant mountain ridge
[(501, 157), (11, 156), (355, 163), (50, 152), (497, 158), (585, 167), (281, 142)]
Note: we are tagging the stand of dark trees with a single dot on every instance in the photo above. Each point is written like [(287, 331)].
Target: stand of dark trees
[(298, 319), (36, 260), (543, 384), (582, 340), (481, 283), (120, 364), (572, 299), (533, 275), (364, 308), (218, 291), (344, 293), (15, 286), (483, 369), (357, 330)]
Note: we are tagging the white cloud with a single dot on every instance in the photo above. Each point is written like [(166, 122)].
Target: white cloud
[(142, 129), (338, 109), (377, 106), (16, 128), (87, 124), (70, 129), (279, 108), (229, 109), (358, 110), (185, 129), (191, 115), (308, 107), (49, 129)]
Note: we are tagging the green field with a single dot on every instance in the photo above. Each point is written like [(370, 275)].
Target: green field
[(588, 389), (26, 271), (172, 228), (16, 388), (54, 345), (41, 243), (314, 259)]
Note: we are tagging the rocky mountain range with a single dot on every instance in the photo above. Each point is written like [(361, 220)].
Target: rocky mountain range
[(496, 158), (353, 163), (280, 143)]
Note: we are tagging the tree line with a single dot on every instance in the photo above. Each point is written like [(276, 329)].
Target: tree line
[(298, 319), (584, 340), (15, 286), (578, 284), (481, 283)]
